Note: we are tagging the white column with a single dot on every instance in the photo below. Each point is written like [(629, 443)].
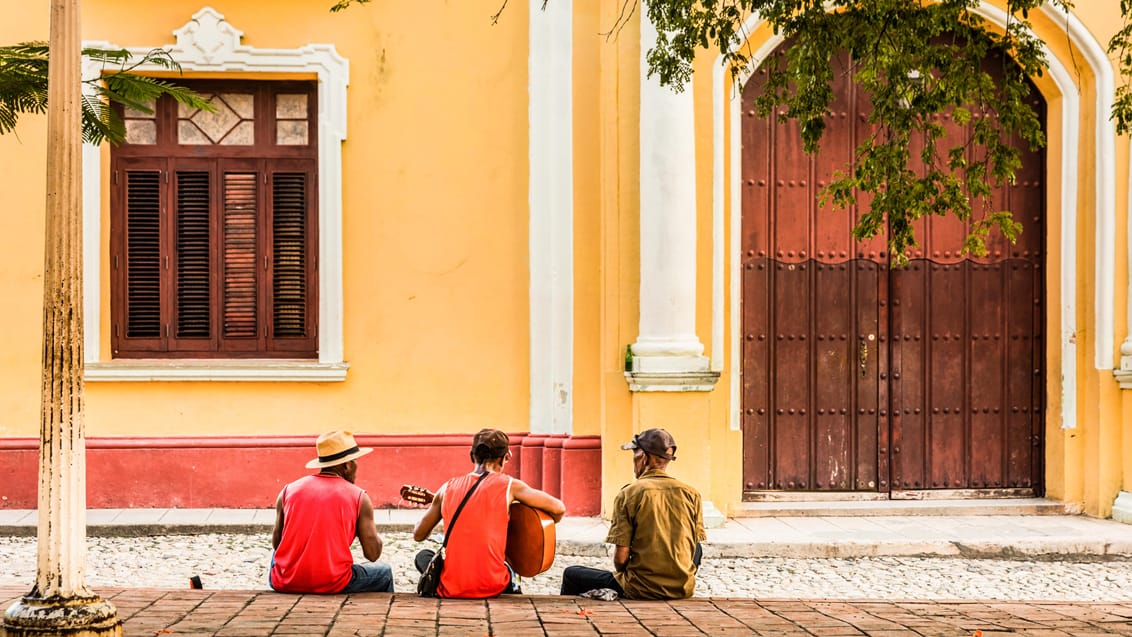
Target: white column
[(551, 233), (667, 345), (60, 603)]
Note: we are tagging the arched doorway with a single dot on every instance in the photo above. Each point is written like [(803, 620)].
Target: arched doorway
[(859, 378)]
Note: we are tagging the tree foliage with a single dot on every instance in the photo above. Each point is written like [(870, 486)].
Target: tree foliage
[(917, 60), (23, 88)]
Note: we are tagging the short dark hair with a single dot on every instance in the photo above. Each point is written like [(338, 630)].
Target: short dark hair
[(489, 444)]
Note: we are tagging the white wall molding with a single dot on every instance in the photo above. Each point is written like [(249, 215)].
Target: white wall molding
[(208, 43), (727, 100), (551, 200), (1105, 170)]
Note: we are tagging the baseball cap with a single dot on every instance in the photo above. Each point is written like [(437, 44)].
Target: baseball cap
[(490, 443), (655, 442)]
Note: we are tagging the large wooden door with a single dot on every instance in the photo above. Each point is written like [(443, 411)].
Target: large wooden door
[(860, 377)]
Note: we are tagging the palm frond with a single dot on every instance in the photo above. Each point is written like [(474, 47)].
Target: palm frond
[(23, 87)]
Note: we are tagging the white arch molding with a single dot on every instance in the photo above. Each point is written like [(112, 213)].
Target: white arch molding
[(727, 105), (208, 43)]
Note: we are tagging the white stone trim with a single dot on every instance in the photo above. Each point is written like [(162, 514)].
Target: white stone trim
[(1105, 168), (208, 43), (736, 247), (225, 370), (551, 200), (718, 215), (1124, 373), (1071, 113)]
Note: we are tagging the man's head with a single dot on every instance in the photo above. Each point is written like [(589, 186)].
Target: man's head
[(337, 453), (652, 449), (490, 445)]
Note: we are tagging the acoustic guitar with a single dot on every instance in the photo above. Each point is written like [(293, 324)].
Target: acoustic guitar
[(530, 533)]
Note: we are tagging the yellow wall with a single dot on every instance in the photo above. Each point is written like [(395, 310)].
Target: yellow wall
[(434, 226)]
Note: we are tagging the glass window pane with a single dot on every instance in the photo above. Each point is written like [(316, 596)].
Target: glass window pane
[(291, 106), (141, 131), (291, 133)]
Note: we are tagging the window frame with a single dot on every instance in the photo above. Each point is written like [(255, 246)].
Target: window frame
[(208, 46), (265, 159)]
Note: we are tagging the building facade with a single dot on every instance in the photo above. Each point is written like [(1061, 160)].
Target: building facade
[(414, 221)]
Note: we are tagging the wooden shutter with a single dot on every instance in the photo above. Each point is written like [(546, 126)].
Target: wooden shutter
[(289, 238), (193, 241), (240, 212), (143, 254), (213, 245)]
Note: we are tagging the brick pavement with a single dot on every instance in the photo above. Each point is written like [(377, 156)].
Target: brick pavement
[(150, 612)]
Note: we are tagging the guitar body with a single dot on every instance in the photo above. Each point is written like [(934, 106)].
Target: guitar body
[(530, 540), (530, 534)]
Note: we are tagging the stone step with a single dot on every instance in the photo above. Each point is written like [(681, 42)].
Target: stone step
[(873, 508)]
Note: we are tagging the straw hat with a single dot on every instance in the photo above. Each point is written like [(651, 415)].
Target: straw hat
[(335, 448)]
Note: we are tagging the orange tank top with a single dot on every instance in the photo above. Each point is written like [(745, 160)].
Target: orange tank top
[(473, 564)]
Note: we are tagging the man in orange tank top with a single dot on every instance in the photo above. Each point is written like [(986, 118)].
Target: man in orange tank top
[(317, 518), (474, 563)]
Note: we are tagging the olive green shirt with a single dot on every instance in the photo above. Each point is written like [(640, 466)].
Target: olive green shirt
[(661, 520)]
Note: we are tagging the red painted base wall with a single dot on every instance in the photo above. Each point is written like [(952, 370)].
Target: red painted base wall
[(248, 471)]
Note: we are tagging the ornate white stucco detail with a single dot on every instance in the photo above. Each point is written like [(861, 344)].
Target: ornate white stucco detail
[(205, 37), (208, 43)]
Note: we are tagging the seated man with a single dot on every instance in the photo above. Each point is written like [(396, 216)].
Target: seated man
[(474, 566), (657, 528), (317, 517)]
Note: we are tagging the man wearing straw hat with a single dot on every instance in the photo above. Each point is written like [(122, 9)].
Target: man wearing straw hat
[(317, 518)]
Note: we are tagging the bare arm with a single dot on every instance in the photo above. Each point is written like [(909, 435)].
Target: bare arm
[(277, 532), (430, 520), (541, 500), (621, 558), (367, 530)]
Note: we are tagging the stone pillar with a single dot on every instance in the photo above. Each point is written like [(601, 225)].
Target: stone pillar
[(551, 202), (667, 356), (60, 603)]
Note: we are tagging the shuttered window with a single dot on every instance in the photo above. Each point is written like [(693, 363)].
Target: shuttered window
[(213, 227)]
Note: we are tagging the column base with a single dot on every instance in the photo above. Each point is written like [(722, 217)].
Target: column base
[(1122, 508), (71, 616), (671, 373), (1124, 374)]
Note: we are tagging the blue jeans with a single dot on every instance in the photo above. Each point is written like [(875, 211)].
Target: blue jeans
[(371, 577)]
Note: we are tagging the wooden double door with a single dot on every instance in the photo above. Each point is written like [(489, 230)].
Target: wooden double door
[(916, 381)]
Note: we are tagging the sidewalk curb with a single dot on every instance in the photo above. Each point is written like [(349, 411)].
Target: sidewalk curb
[(1026, 549)]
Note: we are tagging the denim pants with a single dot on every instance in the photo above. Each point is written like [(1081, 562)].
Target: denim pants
[(424, 556), (371, 577)]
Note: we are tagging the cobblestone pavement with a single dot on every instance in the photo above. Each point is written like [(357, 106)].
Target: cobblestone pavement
[(259, 613), (239, 562)]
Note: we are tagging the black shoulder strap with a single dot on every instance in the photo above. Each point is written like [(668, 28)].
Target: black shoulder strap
[(452, 524)]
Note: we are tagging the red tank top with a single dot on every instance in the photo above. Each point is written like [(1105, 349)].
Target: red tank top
[(473, 564), (320, 519)]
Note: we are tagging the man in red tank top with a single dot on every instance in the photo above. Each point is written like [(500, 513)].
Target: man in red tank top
[(316, 520), (474, 563)]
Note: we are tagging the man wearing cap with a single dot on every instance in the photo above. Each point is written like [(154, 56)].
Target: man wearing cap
[(474, 563), (317, 518), (657, 528)]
